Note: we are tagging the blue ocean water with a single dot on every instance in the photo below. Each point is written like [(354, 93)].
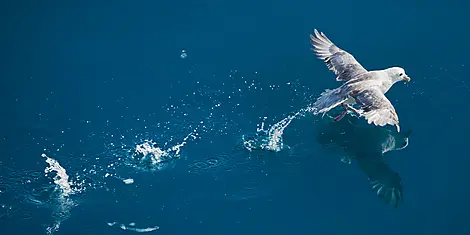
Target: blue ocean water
[(148, 106)]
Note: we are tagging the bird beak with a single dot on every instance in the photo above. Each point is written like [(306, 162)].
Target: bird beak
[(407, 79)]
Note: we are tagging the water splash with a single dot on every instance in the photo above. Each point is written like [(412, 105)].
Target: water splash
[(61, 179), (271, 139), (149, 156), (63, 189)]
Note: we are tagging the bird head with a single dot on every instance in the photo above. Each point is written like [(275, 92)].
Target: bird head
[(398, 74)]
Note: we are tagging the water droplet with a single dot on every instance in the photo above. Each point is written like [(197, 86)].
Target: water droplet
[(183, 54)]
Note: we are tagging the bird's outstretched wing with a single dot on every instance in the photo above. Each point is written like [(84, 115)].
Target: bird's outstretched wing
[(339, 61), (384, 181), (376, 107)]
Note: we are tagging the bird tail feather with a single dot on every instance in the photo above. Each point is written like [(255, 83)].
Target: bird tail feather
[(328, 100)]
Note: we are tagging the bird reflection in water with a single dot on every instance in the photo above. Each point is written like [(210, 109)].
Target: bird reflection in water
[(368, 146)]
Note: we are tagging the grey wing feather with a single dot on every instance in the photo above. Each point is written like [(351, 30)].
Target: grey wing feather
[(386, 183), (376, 107), (339, 61), (328, 100)]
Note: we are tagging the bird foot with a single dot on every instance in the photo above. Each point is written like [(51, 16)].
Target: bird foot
[(341, 116), (358, 112), (345, 111)]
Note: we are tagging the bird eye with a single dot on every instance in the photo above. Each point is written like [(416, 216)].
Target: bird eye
[(400, 74)]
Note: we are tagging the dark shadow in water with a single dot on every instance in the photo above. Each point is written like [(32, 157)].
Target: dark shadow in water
[(366, 144)]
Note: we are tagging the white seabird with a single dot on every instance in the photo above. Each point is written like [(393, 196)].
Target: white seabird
[(362, 87)]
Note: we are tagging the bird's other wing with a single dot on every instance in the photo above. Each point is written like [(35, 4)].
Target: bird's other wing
[(384, 181), (328, 100), (376, 107), (339, 61)]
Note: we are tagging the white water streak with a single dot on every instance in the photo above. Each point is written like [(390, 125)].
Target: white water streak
[(131, 227)]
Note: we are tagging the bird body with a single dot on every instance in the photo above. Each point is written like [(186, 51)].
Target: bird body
[(364, 88)]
